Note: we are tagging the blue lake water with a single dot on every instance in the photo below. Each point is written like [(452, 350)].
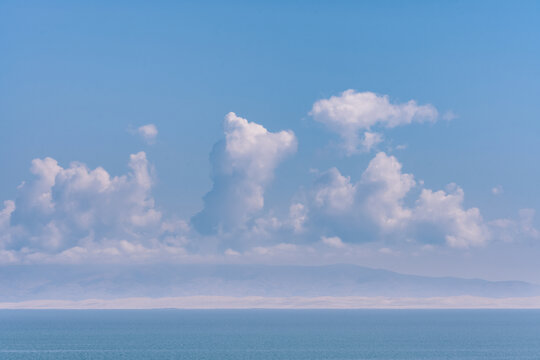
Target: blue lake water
[(270, 334)]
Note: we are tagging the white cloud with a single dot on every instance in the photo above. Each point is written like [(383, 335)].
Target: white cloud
[(231, 252), (148, 132), (387, 251), (87, 199), (298, 216), (243, 166), (352, 112), (526, 219), (388, 185), (333, 241), (278, 249), (375, 206), (401, 147), (370, 140), (512, 230), (334, 192), (5, 213), (449, 115), (264, 226), (76, 212), (5, 219), (463, 227), (497, 190), (37, 195)]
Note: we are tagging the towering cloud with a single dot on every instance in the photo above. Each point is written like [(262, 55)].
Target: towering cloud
[(353, 112), (242, 167), (387, 189)]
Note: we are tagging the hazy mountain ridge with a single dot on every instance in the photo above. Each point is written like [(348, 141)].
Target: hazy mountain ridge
[(19, 283)]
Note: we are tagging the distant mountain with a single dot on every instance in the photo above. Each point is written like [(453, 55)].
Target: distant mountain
[(70, 282)]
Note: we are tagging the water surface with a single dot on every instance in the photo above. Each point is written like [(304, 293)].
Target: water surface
[(270, 334)]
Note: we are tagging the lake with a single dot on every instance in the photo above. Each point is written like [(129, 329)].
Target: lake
[(270, 334)]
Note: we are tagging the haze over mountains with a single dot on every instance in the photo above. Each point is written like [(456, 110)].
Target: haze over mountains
[(23, 283)]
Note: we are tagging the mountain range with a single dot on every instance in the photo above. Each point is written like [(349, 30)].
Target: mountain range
[(76, 282)]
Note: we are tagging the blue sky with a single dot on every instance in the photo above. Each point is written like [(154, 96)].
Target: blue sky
[(78, 79)]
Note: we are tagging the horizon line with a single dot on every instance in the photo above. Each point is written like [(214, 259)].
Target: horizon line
[(296, 302)]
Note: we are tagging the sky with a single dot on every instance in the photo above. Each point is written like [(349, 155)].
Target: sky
[(389, 134)]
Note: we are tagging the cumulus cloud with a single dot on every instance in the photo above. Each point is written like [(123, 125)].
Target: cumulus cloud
[(242, 167), (333, 241), (353, 112), (526, 219), (231, 252), (388, 187), (375, 206), (37, 195), (5, 213), (5, 219), (497, 190), (511, 230), (148, 133), (298, 216), (334, 192), (278, 249), (75, 211), (462, 227), (370, 140)]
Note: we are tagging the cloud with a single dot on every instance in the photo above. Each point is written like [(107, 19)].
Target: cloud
[(352, 112), (5, 220), (526, 219), (388, 187), (334, 192), (497, 190), (5, 213), (376, 207), (76, 212), (463, 228), (278, 249), (449, 115), (333, 241), (510, 230), (231, 252), (387, 251), (37, 195), (370, 140), (298, 216), (242, 167), (148, 133)]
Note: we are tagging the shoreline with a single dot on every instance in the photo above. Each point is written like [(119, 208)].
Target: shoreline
[(258, 302)]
